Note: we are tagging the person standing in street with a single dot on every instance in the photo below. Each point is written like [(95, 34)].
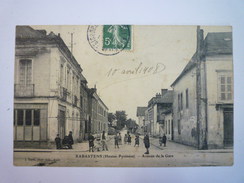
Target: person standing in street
[(58, 142), (125, 139), (129, 139), (91, 139), (120, 139), (116, 141), (164, 140), (71, 140), (104, 144), (146, 143), (137, 140)]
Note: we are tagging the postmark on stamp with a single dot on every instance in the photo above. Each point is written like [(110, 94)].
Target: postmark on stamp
[(117, 37), (109, 40)]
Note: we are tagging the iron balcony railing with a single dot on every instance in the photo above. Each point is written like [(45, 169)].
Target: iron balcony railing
[(64, 93), (24, 90)]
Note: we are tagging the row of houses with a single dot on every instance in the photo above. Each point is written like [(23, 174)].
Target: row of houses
[(198, 111), (51, 95)]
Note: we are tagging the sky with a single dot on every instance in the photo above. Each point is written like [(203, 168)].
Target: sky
[(164, 49)]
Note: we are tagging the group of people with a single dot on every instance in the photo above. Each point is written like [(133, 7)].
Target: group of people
[(91, 140), (66, 143)]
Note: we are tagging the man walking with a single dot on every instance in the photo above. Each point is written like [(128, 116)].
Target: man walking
[(91, 142), (146, 143), (116, 141), (104, 144), (164, 140)]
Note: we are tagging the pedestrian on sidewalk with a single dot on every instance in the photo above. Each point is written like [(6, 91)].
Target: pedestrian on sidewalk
[(146, 143), (91, 139), (160, 140), (71, 140), (116, 141), (120, 139), (58, 142), (129, 139), (125, 139), (164, 140), (137, 140), (65, 142), (104, 143)]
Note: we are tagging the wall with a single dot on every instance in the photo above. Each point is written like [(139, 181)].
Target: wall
[(215, 117), (187, 116)]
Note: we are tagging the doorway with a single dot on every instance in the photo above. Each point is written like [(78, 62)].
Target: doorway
[(228, 127)]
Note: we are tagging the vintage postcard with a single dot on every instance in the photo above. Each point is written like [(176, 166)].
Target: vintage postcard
[(123, 96)]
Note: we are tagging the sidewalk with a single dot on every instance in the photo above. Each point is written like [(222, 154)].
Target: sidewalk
[(177, 147), (77, 147)]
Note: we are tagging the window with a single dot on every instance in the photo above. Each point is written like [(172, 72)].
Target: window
[(187, 99), (61, 74), (25, 117), (181, 101), (25, 72), (36, 117), (226, 88), (169, 126), (166, 127), (179, 127), (20, 117), (28, 116)]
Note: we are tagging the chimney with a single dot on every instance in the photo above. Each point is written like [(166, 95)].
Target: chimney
[(43, 32), (164, 91), (158, 95), (199, 39)]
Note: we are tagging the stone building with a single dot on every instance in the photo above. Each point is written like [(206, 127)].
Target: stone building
[(98, 112), (155, 117), (46, 89), (203, 94), (140, 113), (85, 119)]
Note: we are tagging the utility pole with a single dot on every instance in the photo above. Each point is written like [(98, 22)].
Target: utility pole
[(72, 42), (198, 86)]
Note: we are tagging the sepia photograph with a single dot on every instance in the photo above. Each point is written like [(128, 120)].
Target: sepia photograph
[(123, 96)]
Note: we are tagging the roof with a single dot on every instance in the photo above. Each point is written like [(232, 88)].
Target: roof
[(218, 43), (141, 111), (167, 98), (215, 43), (28, 35), (28, 32)]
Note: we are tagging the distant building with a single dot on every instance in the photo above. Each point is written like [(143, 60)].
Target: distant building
[(85, 119), (46, 89), (155, 116), (168, 123), (203, 94), (98, 112), (140, 113)]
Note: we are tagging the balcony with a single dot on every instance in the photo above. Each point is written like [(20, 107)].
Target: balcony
[(75, 100), (63, 94), (24, 90)]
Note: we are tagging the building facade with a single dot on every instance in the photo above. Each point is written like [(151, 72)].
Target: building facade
[(155, 115), (47, 89), (203, 95), (98, 112)]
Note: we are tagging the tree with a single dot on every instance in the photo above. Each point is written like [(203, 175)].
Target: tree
[(121, 117), (111, 118), (131, 125)]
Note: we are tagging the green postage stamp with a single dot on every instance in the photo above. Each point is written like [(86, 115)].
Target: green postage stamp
[(117, 37)]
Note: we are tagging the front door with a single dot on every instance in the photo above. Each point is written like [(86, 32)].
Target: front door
[(61, 124), (228, 127)]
